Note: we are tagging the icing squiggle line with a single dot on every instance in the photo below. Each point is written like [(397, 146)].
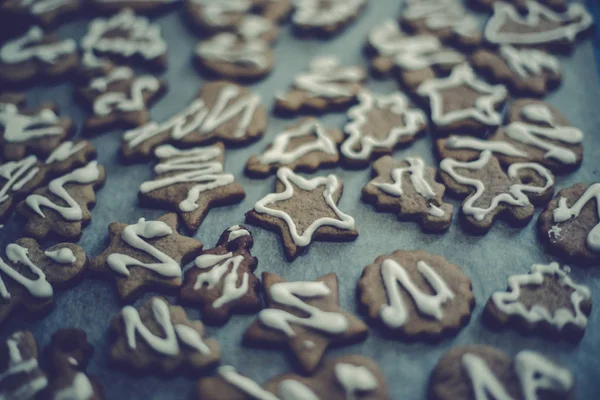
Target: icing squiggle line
[(30, 46), (327, 78), (564, 213), (221, 265), (17, 174), (19, 128), (38, 287)]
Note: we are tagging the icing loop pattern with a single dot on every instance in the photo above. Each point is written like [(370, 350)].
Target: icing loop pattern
[(528, 63), (328, 79), (19, 128), (30, 46), (565, 213), (222, 264)]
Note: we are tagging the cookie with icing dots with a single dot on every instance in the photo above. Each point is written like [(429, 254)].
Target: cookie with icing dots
[(304, 146), (475, 372), (159, 337), (36, 54), (147, 255), (302, 210), (305, 318), (22, 376), (545, 301), (327, 86), (490, 193), (45, 12), (68, 355), (29, 275), (190, 182), (223, 111), (325, 17), (408, 188), (570, 224), (221, 280)]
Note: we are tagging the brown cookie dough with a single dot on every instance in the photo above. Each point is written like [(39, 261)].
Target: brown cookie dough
[(69, 155), (409, 189), (45, 12), (222, 279), (490, 193), (22, 377), (304, 317), (190, 182), (159, 338), (302, 210), (146, 256), (521, 5), (304, 146), (325, 17), (223, 111)]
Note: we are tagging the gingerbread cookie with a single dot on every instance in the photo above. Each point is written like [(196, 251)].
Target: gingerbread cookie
[(146, 6), (570, 224), (304, 317), (409, 189), (37, 131), (526, 72), (535, 131), (302, 210), (159, 337), (490, 193), (476, 372), (191, 182), (216, 16), (21, 376), (325, 17), (463, 103), (45, 12), (275, 10), (546, 301), (147, 255), (540, 26), (36, 54), (222, 279), (126, 37), (55, 268), (304, 146), (17, 180), (69, 155), (69, 353), (327, 86), (521, 5), (224, 111), (62, 208), (446, 19), (377, 125)]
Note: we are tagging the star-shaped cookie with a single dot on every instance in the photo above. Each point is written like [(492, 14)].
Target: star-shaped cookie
[(303, 210), (305, 317)]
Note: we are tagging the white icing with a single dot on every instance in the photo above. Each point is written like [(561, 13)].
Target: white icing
[(394, 275), (38, 287), (289, 179), (80, 389), (396, 103), (484, 107), (564, 213), (17, 367), (483, 380), (442, 14), (327, 78), (89, 60), (62, 255), (235, 232), (319, 13), (191, 166), (291, 389), (278, 152), (86, 175), (539, 26), (290, 294), (528, 63), (17, 174), (508, 302), (225, 269), (132, 235), (19, 128), (495, 146), (537, 374), (354, 379), (30, 46), (228, 48), (65, 150), (218, 13), (38, 7), (515, 195), (173, 334), (246, 385)]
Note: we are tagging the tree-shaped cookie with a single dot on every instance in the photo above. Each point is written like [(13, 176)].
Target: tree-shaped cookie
[(147, 255), (546, 301), (303, 210), (377, 125), (570, 224), (409, 189), (223, 111), (20, 372), (68, 355), (29, 275), (304, 317), (490, 193), (36, 54), (63, 206), (324, 17), (222, 279), (159, 337), (45, 12), (190, 182), (304, 146), (327, 86)]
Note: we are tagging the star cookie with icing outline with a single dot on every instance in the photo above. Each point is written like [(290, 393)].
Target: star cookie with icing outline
[(302, 210)]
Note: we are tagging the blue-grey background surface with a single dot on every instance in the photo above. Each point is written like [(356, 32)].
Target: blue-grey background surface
[(487, 260)]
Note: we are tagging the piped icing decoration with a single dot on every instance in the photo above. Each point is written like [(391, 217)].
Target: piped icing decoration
[(564, 213), (65, 150), (539, 26), (327, 78), (494, 146), (21, 368), (484, 107), (528, 63), (61, 256), (244, 384), (290, 180), (17, 174), (225, 269), (355, 379), (38, 287), (221, 14), (359, 144), (80, 389), (31, 46), (235, 232), (515, 194), (508, 302), (19, 127), (39, 7), (324, 13)]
